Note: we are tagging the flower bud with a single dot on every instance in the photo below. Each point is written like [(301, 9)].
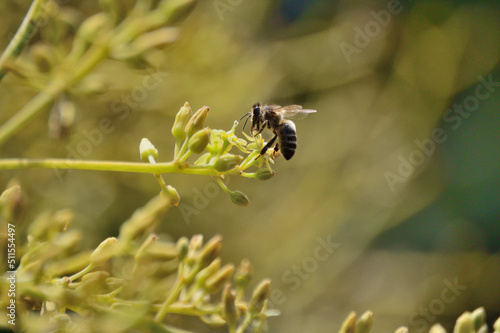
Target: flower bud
[(156, 38), (239, 198), (103, 252), (365, 322), (229, 311), (227, 162), (243, 274), (197, 121), (208, 271), (170, 194), (182, 247), (437, 328), (92, 26), (210, 251), (219, 279), (181, 119), (263, 174), (260, 296), (402, 329), (479, 318), (12, 202), (349, 324), (146, 149), (93, 283), (199, 141), (464, 324), (144, 218), (496, 325), (172, 11)]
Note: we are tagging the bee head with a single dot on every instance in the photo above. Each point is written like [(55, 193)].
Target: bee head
[(255, 116)]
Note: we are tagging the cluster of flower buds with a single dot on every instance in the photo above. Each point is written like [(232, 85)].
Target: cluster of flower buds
[(117, 31), (129, 282), (214, 147), (201, 274), (468, 322)]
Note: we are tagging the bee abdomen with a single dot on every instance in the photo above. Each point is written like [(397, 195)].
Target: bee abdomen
[(288, 138)]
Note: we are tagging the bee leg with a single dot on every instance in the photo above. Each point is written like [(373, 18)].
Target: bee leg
[(266, 147), (275, 153)]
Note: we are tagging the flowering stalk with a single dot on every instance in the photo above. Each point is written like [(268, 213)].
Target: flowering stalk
[(213, 148)]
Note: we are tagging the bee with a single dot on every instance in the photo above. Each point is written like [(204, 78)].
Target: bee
[(278, 119)]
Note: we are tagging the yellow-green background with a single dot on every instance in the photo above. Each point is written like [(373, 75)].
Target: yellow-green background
[(396, 249)]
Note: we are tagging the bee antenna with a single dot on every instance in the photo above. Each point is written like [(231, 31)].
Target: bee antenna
[(248, 115)]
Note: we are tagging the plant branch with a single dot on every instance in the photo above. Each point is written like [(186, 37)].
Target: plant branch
[(136, 167), (23, 34)]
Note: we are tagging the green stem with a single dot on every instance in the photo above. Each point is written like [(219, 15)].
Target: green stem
[(249, 161), (183, 149), (38, 103), (136, 167), (245, 323), (81, 273), (61, 82), (23, 34), (172, 296), (222, 185)]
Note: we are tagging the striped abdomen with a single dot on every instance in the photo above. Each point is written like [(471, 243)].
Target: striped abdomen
[(288, 139)]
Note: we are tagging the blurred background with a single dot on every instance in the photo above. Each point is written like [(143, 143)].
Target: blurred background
[(392, 200)]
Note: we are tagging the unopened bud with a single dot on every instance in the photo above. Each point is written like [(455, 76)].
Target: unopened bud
[(182, 247), (210, 251), (227, 162), (437, 328), (103, 252), (219, 279), (260, 296), (496, 325), (199, 141), (92, 26), (172, 11), (464, 324), (93, 283), (365, 322), (170, 194), (156, 38), (479, 318), (229, 311), (143, 219), (263, 174), (197, 121), (208, 271), (243, 274), (181, 119), (12, 202), (146, 149), (349, 324), (402, 329), (239, 198)]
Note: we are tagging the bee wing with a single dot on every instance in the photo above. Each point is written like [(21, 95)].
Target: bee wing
[(294, 112)]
